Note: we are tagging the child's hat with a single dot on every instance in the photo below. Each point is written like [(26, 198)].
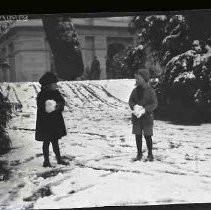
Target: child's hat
[(48, 78), (144, 73)]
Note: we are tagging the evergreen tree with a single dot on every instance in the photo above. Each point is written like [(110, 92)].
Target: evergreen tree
[(180, 45), (65, 46)]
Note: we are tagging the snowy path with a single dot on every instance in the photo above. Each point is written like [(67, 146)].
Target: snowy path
[(100, 146)]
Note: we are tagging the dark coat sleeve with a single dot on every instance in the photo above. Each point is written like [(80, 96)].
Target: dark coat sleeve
[(41, 103), (153, 103), (60, 103), (132, 100)]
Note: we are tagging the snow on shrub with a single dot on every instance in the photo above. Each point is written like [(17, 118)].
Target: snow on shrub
[(185, 80), (5, 116)]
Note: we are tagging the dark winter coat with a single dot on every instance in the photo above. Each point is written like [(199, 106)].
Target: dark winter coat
[(50, 126), (146, 98)]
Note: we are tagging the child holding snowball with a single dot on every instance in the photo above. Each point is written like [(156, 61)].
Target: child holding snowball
[(142, 102), (50, 126)]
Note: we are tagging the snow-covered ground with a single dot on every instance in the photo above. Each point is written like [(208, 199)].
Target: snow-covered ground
[(99, 147)]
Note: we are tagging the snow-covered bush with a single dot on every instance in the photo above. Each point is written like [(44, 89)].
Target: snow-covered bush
[(184, 90), (186, 87), (5, 116), (125, 63)]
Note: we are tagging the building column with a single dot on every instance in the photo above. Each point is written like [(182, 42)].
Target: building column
[(101, 52)]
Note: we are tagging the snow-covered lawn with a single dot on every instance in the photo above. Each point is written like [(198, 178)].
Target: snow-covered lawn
[(99, 147)]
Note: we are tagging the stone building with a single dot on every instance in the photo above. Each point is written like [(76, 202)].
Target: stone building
[(26, 48)]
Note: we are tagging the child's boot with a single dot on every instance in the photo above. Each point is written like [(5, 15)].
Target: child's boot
[(59, 159), (150, 157), (138, 157), (58, 155), (62, 162), (46, 162)]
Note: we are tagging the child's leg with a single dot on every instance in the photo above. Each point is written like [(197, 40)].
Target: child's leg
[(139, 146), (56, 149), (55, 144), (139, 143), (45, 148), (149, 147)]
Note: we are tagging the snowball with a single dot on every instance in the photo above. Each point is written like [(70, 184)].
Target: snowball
[(50, 106), (138, 111)]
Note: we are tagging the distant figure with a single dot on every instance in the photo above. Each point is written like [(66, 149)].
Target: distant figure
[(108, 68), (95, 69), (50, 126), (142, 102)]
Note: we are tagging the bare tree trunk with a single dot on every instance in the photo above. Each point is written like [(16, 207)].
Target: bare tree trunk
[(65, 46)]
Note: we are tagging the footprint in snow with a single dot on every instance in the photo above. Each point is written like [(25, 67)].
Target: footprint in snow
[(122, 139), (42, 192), (15, 162), (28, 159), (39, 155)]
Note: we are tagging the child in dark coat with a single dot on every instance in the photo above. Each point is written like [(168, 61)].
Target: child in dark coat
[(142, 102), (50, 126)]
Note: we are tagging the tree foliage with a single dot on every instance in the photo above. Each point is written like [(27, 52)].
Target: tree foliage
[(180, 45), (65, 46), (125, 63)]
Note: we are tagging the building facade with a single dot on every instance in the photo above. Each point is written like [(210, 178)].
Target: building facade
[(28, 53)]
